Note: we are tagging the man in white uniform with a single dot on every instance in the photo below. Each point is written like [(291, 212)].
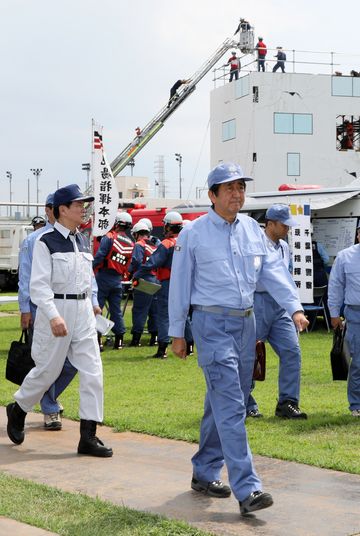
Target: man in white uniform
[(61, 286)]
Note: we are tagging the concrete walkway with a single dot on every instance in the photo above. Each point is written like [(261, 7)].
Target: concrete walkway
[(153, 474)]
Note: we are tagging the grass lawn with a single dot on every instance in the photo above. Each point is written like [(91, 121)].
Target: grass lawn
[(165, 398), (70, 514)]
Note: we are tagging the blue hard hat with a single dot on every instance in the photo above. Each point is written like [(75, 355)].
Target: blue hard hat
[(49, 200), (281, 213), (68, 194), (226, 172)]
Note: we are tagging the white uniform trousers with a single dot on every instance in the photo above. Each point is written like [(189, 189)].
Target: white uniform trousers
[(80, 346)]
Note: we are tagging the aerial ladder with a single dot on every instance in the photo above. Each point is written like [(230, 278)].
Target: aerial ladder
[(157, 122)]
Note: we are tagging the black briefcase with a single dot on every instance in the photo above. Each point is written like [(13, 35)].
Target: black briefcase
[(339, 355), (19, 361)]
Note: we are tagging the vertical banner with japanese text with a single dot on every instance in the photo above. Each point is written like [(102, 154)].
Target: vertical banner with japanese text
[(301, 248), (105, 191)]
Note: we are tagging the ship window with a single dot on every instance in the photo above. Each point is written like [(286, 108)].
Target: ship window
[(229, 130), (302, 123), (293, 123), (255, 93), (342, 86), (242, 87), (356, 87), (254, 157), (293, 164)]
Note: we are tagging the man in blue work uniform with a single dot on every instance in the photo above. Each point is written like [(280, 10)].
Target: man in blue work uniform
[(160, 261), (273, 323), (50, 407), (344, 288), (111, 264), (217, 261), (65, 326), (144, 305)]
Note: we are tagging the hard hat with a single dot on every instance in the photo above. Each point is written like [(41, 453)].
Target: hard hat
[(38, 220), (173, 218), (148, 223), (233, 52), (123, 218), (140, 226), (260, 38)]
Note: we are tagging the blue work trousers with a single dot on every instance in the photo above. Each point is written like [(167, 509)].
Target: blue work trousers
[(163, 312), (49, 403), (144, 306), (273, 324), (352, 336), (226, 352), (110, 291)]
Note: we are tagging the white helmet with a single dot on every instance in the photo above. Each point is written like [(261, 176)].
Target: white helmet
[(123, 218), (173, 218), (140, 226), (148, 222)]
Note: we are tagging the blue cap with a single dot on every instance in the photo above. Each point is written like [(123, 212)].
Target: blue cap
[(281, 213), (226, 172), (49, 200), (68, 194)]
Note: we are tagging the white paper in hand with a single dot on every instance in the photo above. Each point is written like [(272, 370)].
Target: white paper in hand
[(103, 325)]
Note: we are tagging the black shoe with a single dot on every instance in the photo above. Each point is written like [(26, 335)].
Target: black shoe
[(118, 343), (254, 413), (214, 489), (289, 410), (258, 500), (94, 447), (136, 339), (90, 444), (16, 423), (153, 339), (161, 351), (101, 346)]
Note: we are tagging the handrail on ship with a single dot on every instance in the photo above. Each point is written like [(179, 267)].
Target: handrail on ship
[(298, 59)]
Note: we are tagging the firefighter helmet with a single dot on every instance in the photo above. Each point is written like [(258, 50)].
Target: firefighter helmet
[(140, 226), (148, 222), (173, 218), (124, 219)]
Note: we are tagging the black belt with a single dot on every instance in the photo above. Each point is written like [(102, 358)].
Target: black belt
[(70, 296)]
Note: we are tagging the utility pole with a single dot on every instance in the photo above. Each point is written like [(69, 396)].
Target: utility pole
[(9, 176), (37, 173), (178, 158)]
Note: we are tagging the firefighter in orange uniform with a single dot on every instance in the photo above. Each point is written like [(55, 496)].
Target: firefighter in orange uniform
[(111, 264), (144, 305), (161, 261)]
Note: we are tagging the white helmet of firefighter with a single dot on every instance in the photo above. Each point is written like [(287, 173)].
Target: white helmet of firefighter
[(173, 218), (124, 219), (148, 223), (140, 226)]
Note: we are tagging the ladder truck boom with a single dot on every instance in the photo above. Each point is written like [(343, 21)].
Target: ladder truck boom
[(157, 122)]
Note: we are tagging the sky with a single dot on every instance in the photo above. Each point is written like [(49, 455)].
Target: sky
[(64, 63)]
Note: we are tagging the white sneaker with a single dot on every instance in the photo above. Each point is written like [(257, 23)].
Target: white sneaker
[(355, 413), (52, 421)]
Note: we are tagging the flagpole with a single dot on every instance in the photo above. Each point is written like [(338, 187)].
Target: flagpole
[(92, 217)]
